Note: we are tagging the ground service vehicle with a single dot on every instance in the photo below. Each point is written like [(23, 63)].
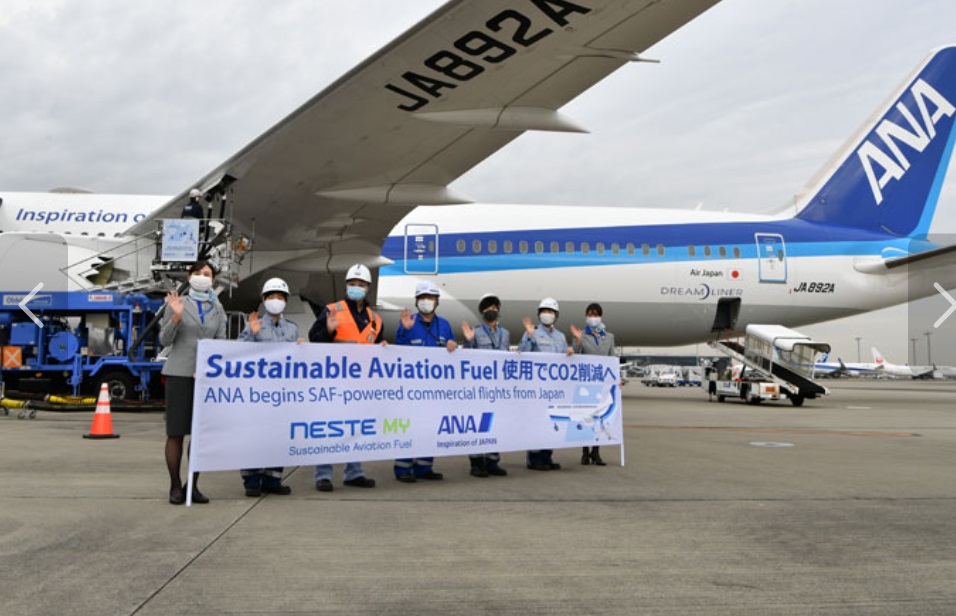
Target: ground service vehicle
[(81, 339), (773, 361)]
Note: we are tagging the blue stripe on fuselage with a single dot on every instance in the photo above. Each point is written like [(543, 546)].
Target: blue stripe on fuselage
[(801, 238)]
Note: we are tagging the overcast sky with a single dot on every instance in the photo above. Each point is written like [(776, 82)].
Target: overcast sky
[(748, 102)]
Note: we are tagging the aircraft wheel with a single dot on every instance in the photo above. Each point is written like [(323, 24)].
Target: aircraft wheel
[(721, 398), (796, 400)]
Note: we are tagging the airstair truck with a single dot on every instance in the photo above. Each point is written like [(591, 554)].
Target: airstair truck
[(774, 361)]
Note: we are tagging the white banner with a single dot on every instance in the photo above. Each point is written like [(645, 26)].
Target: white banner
[(260, 405)]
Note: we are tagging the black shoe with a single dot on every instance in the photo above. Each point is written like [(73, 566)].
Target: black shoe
[(585, 458), (539, 467), (360, 482), (279, 490), (177, 499), (408, 478), (477, 471), (554, 466), (431, 476), (596, 459), (496, 471), (324, 485), (253, 492), (199, 498)]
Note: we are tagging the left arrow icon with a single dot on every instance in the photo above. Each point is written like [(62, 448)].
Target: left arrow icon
[(25, 300)]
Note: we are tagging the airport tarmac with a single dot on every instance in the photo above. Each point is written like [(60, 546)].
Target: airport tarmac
[(843, 506)]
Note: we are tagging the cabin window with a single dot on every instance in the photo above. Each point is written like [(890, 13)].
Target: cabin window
[(615, 248), (599, 247), (523, 247), (737, 251), (691, 251), (555, 247), (569, 247), (630, 248), (706, 251), (660, 250), (722, 251), (539, 247), (645, 250), (476, 246), (492, 246), (508, 246), (460, 245)]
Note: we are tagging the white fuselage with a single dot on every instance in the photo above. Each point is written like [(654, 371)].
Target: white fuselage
[(662, 277)]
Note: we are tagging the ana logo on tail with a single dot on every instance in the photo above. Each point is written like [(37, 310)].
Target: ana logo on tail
[(891, 158)]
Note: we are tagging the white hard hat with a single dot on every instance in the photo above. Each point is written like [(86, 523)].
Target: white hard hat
[(359, 272), (195, 193), (426, 287), (549, 303), (275, 284), (487, 300)]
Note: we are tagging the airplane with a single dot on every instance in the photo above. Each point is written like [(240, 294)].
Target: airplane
[(361, 173), (582, 415), (915, 372), (826, 368)]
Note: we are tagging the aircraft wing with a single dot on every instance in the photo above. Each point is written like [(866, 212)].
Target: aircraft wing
[(335, 176)]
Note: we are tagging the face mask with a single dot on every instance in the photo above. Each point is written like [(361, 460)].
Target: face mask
[(547, 318), (593, 322), (490, 316), (356, 294), (274, 306), (200, 283), (426, 306)]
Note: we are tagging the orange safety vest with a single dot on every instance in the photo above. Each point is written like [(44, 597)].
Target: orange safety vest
[(348, 330)]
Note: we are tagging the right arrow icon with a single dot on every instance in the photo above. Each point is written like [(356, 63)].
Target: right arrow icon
[(23, 304), (949, 311)]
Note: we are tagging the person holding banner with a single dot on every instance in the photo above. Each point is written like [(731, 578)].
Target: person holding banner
[(545, 338), (272, 328), (349, 320), (186, 320), (594, 340), (491, 336), (424, 329)]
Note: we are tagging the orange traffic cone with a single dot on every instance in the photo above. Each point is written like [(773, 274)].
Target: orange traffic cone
[(102, 422)]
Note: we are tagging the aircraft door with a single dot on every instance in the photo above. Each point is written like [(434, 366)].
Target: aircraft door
[(771, 257), (728, 308), (421, 249)]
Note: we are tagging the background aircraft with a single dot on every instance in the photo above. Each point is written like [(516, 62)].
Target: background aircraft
[(338, 181), (915, 372), (824, 367)]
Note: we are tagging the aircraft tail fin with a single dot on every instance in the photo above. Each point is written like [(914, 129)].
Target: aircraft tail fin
[(888, 177), (878, 358)]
